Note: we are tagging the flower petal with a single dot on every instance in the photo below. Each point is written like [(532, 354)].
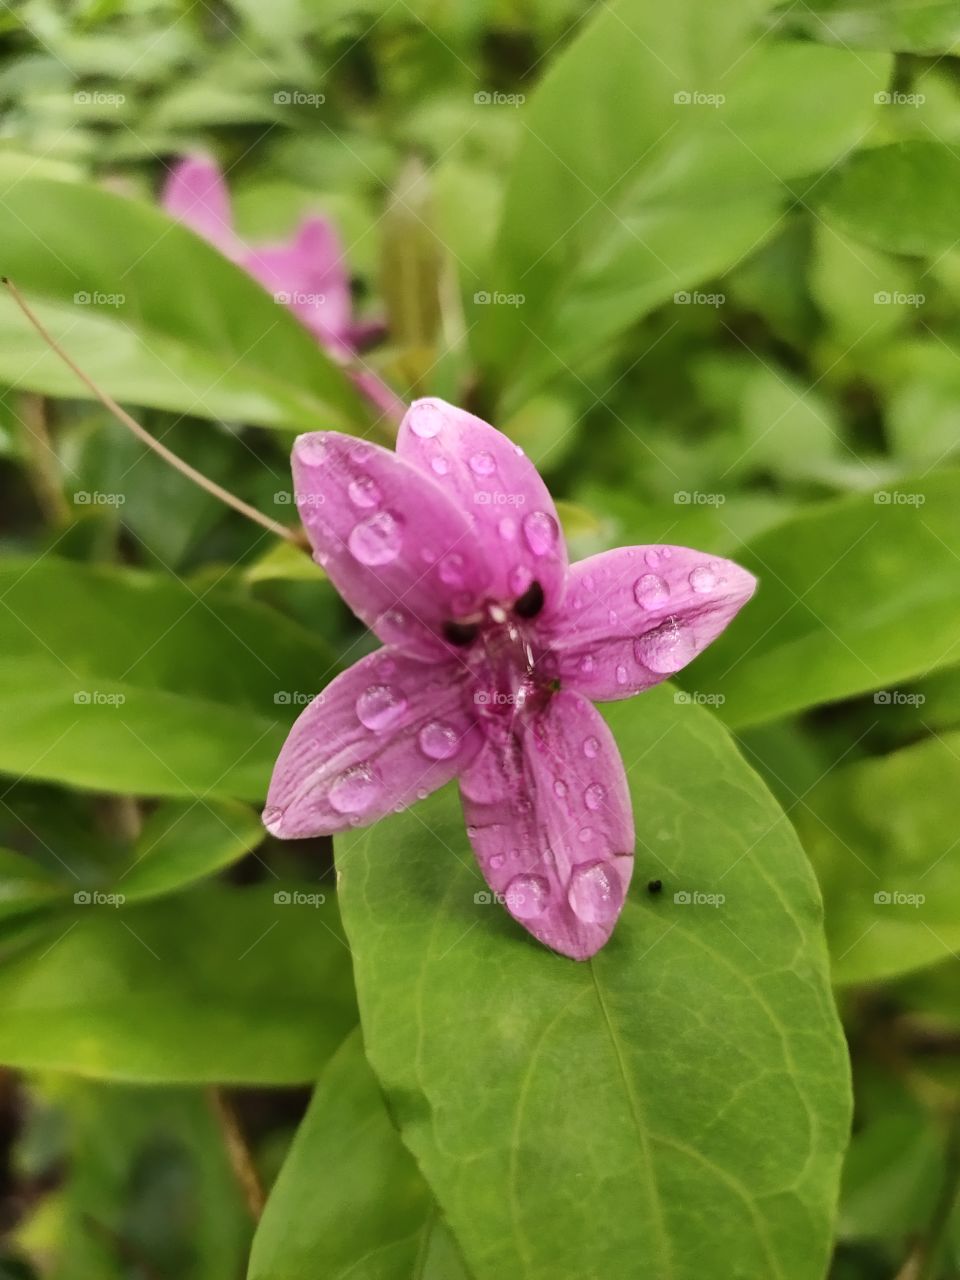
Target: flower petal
[(549, 817), (394, 545), (382, 735), (307, 275), (490, 478), (196, 195), (635, 616)]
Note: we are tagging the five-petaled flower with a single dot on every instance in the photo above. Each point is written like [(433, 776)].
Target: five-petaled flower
[(494, 648)]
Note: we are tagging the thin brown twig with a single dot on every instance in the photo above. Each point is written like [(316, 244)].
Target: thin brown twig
[(238, 1152), (198, 478)]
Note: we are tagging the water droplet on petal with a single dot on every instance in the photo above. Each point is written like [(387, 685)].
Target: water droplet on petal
[(439, 465), (471, 832), (496, 861), (526, 896), (650, 590), (666, 648), (377, 540), (451, 570), (595, 893), (585, 834), (425, 421), (702, 578), (363, 491), (586, 664), (652, 557), (387, 667), (508, 528), (439, 741), (560, 788), (541, 532), (519, 579), (355, 790), (311, 451), (380, 707), (422, 793), (483, 463), (588, 581), (594, 796), (591, 748), (621, 674)]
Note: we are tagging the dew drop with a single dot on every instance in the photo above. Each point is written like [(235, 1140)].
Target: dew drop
[(622, 674), (585, 834), (425, 421), (652, 557), (594, 796), (587, 664), (451, 569), (560, 788), (595, 893), (422, 793), (377, 540), (591, 748), (508, 528), (380, 707), (438, 741), (483, 463), (650, 590), (541, 532), (496, 861), (311, 451), (527, 896), (439, 465), (364, 492), (666, 648), (519, 579), (702, 578), (355, 790)]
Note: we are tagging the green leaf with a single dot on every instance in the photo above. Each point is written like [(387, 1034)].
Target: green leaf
[(349, 1200), (94, 253), (905, 26), (128, 681), (25, 885), (881, 834), (588, 1119), (854, 594), (212, 985), (904, 198), (627, 188)]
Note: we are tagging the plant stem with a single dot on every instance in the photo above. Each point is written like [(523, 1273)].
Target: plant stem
[(238, 1153)]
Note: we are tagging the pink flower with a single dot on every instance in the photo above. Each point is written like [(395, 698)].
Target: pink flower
[(306, 273), (494, 649)]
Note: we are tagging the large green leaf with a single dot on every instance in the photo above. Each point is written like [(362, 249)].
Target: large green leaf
[(194, 324), (904, 198), (856, 594), (129, 681), (628, 188), (590, 1119), (212, 985), (882, 836), (906, 26), (349, 1200)]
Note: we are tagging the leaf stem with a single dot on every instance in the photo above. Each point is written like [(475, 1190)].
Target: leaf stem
[(198, 478), (238, 1152)]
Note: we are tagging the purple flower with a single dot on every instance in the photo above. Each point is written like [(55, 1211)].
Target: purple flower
[(494, 649), (306, 273)]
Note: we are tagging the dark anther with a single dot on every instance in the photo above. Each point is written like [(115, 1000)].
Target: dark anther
[(461, 633), (654, 886), (530, 603)]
